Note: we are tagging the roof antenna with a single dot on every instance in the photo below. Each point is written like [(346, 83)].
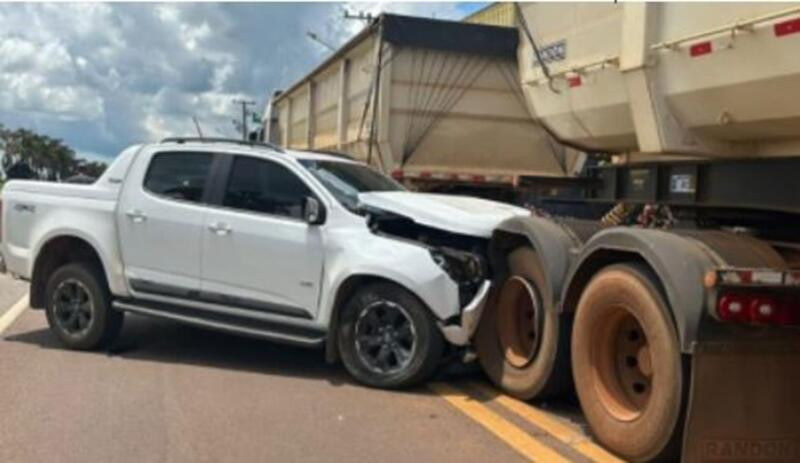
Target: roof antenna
[(197, 126)]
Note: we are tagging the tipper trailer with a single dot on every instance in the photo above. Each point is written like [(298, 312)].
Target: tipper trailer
[(676, 317), (445, 96)]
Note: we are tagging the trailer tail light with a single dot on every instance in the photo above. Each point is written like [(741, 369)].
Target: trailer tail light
[(758, 309), (733, 308)]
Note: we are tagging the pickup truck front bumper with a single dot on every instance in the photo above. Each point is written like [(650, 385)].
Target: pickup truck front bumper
[(460, 333)]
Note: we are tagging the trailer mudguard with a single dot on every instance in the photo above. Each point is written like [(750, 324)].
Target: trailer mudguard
[(554, 244), (679, 262), (743, 401)]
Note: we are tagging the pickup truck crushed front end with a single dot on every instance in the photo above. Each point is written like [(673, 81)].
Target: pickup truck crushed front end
[(456, 231)]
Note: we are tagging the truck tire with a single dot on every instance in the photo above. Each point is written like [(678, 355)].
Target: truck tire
[(388, 338), (522, 342), (78, 307), (626, 362)]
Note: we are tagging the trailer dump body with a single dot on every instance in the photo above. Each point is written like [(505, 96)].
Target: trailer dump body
[(444, 103), (669, 78)]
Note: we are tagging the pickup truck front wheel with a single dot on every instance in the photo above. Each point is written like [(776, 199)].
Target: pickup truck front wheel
[(387, 338), (78, 307)]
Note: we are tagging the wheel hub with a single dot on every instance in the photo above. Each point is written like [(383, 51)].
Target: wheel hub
[(385, 337), (625, 368), (73, 307), (519, 321)]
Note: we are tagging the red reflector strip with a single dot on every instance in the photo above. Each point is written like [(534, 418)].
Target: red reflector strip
[(574, 81), (700, 49), (478, 178), (397, 174), (424, 175), (791, 26)]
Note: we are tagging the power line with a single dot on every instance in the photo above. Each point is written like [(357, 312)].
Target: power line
[(316, 38)]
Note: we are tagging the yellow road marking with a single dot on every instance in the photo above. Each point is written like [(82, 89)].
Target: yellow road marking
[(515, 437), (565, 432), (13, 313)]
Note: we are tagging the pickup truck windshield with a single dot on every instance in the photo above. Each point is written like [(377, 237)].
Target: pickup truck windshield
[(346, 180)]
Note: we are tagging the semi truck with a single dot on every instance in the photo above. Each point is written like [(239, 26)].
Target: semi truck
[(674, 316)]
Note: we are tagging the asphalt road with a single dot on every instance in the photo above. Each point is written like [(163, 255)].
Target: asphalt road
[(10, 292), (167, 392)]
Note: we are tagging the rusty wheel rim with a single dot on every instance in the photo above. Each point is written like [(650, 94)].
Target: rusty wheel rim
[(624, 369), (518, 321)]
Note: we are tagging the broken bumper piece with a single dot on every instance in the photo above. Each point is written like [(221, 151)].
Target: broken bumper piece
[(460, 334)]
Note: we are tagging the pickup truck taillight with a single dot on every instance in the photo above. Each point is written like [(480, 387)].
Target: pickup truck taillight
[(758, 308)]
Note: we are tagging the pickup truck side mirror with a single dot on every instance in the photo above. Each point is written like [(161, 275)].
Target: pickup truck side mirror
[(313, 211)]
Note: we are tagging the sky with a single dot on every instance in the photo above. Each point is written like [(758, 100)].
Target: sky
[(104, 76)]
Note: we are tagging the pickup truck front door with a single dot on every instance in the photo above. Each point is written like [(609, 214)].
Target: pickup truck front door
[(160, 221), (258, 252)]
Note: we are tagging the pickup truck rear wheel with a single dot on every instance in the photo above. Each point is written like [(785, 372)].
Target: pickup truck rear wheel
[(522, 342), (78, 307), (387, 337), (627, 365)]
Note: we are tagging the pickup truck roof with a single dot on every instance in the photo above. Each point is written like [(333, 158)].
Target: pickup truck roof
[(255, 147)]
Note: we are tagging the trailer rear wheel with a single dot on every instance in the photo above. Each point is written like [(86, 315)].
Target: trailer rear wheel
[(522, 343), (627, 364)]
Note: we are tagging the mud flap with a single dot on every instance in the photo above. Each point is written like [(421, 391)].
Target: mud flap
[(744, 403)]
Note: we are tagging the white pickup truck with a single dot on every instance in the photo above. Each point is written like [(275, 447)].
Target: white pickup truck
[(297, 247)]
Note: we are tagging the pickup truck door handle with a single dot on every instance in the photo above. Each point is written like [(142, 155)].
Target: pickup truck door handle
[(136, 215), (219, 228)]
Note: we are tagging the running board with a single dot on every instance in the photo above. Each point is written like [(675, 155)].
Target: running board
[(297, 336)]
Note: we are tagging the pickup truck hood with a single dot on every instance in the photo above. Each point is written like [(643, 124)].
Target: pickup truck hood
[(456, 214)]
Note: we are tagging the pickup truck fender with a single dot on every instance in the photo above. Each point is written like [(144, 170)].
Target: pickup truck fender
[(390, 260), (680, 260), (102, 239), (352, 262)]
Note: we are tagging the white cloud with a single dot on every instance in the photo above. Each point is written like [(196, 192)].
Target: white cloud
[(102, 76)]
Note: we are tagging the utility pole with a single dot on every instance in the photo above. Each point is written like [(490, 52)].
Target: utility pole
[(245, 104)]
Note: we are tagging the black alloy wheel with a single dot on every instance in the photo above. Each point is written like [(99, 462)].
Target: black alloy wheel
[(385, 337)]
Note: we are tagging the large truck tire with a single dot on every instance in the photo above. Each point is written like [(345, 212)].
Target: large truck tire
[(522, 342), (627, 365), (78, 307)]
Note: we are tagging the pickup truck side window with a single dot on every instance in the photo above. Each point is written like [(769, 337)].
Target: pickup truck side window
[(180, 176), (264, 186)]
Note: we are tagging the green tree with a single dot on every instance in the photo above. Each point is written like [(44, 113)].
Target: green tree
[(48, 157)]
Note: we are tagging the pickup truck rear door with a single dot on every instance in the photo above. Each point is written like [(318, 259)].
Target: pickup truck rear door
[(160, 221), (258, 252)]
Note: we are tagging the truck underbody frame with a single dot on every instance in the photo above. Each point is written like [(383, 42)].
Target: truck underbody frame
[(748, 186)]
